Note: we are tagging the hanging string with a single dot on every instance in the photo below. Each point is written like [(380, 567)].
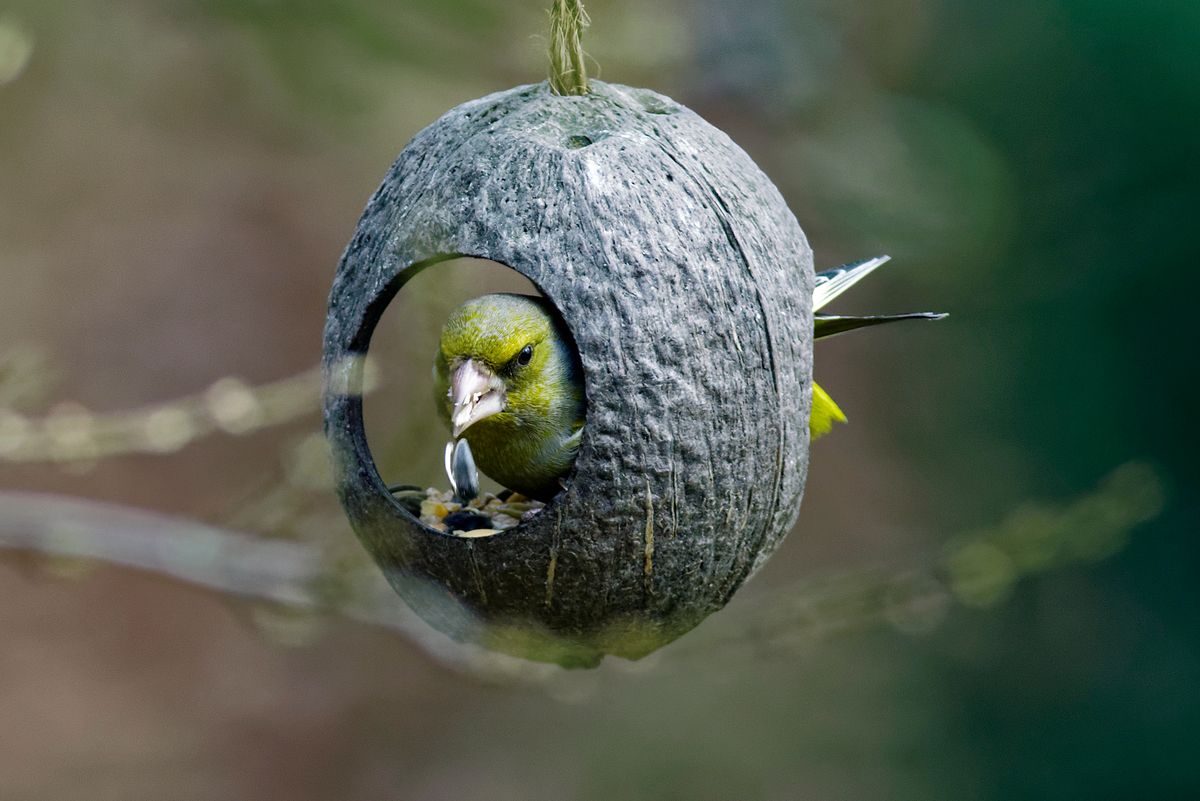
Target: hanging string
[(568, 75)]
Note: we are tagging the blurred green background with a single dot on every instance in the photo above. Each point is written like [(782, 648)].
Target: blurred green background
[(177, 181)]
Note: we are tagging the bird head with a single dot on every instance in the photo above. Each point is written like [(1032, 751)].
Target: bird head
[(500, 363)]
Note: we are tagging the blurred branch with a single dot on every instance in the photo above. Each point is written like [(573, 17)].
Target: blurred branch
[(72, 433), (218, 559), (978, 570), (276, 572)]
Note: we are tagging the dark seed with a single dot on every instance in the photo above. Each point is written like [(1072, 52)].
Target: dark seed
[(463, 520)]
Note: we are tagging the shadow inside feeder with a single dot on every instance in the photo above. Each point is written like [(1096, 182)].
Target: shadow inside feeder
[(447, 413)]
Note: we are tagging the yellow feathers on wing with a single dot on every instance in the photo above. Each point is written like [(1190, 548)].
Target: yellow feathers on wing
[(824, 413)]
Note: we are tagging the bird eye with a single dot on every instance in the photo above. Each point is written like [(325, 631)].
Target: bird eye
[(525, 355)]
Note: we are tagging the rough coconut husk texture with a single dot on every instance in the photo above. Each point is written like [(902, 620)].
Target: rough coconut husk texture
[(686, 283)]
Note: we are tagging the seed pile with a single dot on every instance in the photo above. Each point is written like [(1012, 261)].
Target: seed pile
[(485, 515)]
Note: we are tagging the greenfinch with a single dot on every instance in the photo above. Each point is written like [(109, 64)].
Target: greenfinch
[(508, 380)]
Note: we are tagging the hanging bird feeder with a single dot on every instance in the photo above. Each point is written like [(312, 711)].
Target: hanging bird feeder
[(686, 283)]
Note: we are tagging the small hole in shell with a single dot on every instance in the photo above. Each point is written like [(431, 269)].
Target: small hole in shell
[(578, 141)]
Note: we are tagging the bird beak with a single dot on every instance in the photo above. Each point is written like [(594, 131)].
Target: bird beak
[(475, 393)]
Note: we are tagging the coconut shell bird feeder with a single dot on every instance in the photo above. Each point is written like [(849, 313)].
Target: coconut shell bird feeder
[(686, 283)]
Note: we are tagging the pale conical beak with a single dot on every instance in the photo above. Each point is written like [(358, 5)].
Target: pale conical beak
[(475, 393)]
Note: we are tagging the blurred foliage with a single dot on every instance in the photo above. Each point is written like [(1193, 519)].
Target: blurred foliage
[(176, 182), (306, 39), (16, 48)]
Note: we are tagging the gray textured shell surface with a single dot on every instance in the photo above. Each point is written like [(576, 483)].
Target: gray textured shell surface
[(686, 283)]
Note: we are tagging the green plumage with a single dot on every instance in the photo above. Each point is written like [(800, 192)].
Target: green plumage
[(528, 446)]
